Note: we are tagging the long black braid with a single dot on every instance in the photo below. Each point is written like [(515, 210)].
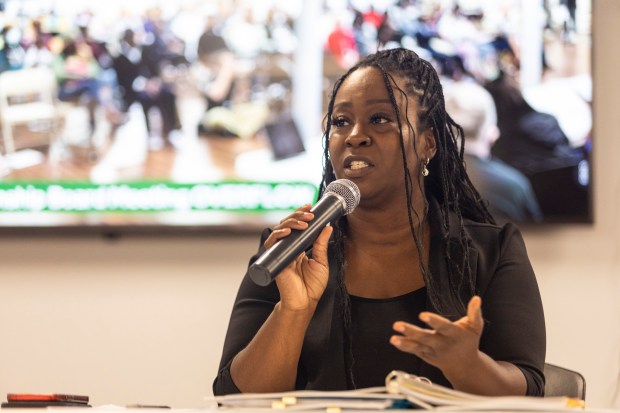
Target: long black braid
[(447, 182)]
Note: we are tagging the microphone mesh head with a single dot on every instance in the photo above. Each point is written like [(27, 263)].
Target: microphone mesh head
[(348, 191)]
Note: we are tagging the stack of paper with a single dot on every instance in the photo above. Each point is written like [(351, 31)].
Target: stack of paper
[(401, 391), (375, 398), (422, 393)]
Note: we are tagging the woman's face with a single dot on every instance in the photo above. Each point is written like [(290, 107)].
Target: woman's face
[(364, 140)]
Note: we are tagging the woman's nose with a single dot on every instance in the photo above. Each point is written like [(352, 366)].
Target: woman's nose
[(357, 137)]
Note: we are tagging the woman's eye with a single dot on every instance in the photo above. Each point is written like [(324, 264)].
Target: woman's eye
[(339, 121), (379, 119)]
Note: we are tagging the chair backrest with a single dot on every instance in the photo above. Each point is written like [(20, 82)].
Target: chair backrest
[(560, 381), (26, 95), (24, 82)]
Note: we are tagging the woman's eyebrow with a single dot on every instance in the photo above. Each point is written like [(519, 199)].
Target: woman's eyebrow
[(375, 101), (368, 102)]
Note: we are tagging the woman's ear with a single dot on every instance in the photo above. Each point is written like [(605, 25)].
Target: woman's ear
[(429, 144)]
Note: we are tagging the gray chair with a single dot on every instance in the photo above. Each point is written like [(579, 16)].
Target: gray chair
[(560, 381)]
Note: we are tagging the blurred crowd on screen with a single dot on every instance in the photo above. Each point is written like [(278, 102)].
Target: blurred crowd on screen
[(519, 158), (138, 55), (238, 56)]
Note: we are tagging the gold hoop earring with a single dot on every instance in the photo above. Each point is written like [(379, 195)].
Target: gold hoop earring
[(424, 167)]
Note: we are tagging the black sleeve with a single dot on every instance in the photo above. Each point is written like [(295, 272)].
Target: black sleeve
[(512, 308), (251, 308)]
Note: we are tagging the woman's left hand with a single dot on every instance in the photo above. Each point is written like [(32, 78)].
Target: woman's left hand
[(449, 346)]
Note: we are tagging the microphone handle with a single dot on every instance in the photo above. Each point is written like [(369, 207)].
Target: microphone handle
[(265, 269)]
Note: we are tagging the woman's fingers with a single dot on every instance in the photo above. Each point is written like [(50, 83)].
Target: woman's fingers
[(413, 347), (301, 214), (275, 235), (444, 342), (411, 329), (414, 340), (297, 220), (319, 250), (474, 314), (293, 223), (303, 281), (438, 323)]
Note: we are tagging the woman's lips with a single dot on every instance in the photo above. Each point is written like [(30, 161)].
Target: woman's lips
[(356, 166)]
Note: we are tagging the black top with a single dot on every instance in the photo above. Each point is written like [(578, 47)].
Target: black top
[(371, 328), (514, 329)]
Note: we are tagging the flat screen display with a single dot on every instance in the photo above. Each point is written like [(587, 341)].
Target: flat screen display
[(170, 116)]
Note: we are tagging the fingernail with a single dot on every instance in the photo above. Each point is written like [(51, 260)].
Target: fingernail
[(424, 317), (399, 327), (396, 341)]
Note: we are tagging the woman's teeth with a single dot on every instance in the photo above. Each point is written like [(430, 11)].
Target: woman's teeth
[(358, 165)]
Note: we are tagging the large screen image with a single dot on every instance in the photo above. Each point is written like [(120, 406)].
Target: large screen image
[(207, 114)]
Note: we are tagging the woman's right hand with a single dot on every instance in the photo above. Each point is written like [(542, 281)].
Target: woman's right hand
[(302, 282)]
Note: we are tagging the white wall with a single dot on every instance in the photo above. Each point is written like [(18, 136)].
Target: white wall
[(139, 320), (143, 320)]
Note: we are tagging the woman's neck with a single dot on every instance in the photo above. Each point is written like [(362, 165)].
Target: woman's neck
[(382, 257), (388, 224)]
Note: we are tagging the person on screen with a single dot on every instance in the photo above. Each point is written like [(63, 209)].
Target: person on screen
[(530, 140), (508, 191), (534, 143), (141, 64), (417, 278), (77, 72)]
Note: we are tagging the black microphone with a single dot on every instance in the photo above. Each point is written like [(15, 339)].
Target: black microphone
[(340, 198)]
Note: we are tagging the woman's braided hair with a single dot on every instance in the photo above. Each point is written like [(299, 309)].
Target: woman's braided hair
[(447, 182)]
